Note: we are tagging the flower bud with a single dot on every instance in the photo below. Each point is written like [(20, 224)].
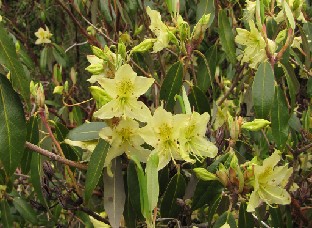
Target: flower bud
[(98, 52), (99, 95), (223, 177), (184, 31), (204, 174), (144, 46), (256, 124), (200, 28), (95, 68), (73, 75), (40, 98)]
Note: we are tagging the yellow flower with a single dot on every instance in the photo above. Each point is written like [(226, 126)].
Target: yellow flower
[(43, 36), (162, 132), (192, 136), (269, 182), (254, 45), (124, 90), (124, 139), (159, 29)]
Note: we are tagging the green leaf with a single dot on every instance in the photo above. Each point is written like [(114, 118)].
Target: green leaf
[(25, 210), (306, 47), (226, 36), (13, 129), (129, 215), (205, 7), (204, 174), (279, 118), (114, 194), (143, 190), (289, 15), (198, 100), (175, 189), (276, 217), (226, 217), (172, 85), (205, 74), (86, 132), (32, 137), (263, 90), (44, 58), (6, 217), (59, 55), (292, 82), (95, 167), (10, 60), (133, 188), (36, 174), (245, 219), (152, 181), (205, 193), (105, 9), (213, 209), (132, 6)]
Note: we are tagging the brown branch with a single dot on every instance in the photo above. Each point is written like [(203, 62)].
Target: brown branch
[(304, 148), (286, 45), (234, 84), (41, 112), (94, 215), (84, 32), (55, 157)]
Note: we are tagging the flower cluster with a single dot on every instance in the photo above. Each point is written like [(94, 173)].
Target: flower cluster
[(171, 136)]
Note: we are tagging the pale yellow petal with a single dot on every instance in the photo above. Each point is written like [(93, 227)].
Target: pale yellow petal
[(137, 110), (254, 202), (109, 85), (109, 110), (141, 85)]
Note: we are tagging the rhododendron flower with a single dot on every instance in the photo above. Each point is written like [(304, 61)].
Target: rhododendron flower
[(254, 45), (159, 29), (43, 36), (192, 136), (124, 90), (124, 138), (269, 182), (162, 132)]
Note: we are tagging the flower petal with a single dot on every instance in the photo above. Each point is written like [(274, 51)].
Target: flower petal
[(109, 110), (141, 85), (254, 202)]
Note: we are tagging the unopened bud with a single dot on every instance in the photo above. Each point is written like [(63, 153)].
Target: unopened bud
[(144, 46), (184, 31), (73, 75), (95, 68), (200, 28), (40, 99), (98, 52), (256, 125), (100, 96), (223, 177), (122, 50)]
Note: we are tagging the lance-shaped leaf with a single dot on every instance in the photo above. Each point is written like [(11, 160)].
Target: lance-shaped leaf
[(95, 167), (33, 137), (213, 208), (292, 82), (176, 189), (245, 219), (86, 132), (10, 60), (114, 194), (25, 210), (152, 181), (133, 188), (279, 118), (36, 174), (13, 129), (225, 218), (206, 69), (6, 217), (226, 36), (205, 7), (172, 85), (199, 101), (263, 90)]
